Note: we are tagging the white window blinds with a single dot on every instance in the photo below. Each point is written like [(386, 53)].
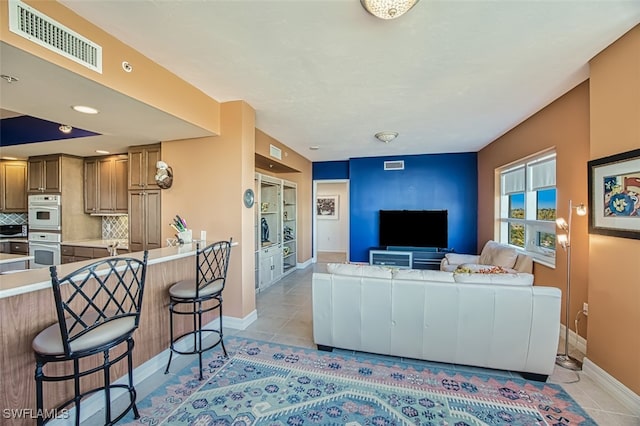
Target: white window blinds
[(542, 174), (513, 181)]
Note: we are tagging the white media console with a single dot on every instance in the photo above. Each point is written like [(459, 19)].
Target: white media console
[(407, 257)]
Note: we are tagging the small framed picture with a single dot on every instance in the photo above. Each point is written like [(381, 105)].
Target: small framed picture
[(614, 195), (327, 206)]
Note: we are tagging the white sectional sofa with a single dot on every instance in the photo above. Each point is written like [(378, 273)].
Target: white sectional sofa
[(505, 323)]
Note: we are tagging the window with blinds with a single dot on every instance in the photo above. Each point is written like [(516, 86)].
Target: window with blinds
[(528, 206)]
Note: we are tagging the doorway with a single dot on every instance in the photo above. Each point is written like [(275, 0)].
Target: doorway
[(331, 221)]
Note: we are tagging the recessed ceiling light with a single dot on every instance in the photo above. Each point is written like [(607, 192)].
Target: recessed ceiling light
[(314, 148), (85, 109), (65, 128), (101, 151)]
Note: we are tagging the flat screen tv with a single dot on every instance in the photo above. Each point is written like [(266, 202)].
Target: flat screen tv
[(414, 228)]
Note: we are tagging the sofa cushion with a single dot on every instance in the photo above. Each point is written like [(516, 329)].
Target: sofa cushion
[(359, 270), (423, 275), (498, 254), (519, 279)]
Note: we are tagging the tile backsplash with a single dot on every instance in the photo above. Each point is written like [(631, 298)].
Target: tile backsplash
[(13, 218), (115, 227)]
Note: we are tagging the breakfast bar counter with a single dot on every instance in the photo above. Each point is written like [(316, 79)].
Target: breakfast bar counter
[(27, 307)]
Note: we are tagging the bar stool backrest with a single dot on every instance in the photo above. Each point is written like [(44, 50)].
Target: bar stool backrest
[(212, 263), (99, 304)]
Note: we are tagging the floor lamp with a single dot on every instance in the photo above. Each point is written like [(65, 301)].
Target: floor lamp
[(564, 360)]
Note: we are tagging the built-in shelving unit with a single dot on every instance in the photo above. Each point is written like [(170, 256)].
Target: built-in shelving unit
[(276, 229), (289, 226)]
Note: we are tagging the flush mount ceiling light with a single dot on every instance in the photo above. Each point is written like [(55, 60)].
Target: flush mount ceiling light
[(388, 9), (65, 128), (386, 137), (85, 109), (9, 78)]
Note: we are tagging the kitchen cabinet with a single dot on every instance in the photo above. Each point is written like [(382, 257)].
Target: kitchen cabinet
[(105, 180), (13, 186), (18, 247), (90, 185), (72, 254), (14, 247), (142, 166), (144, 220), (43, 174)]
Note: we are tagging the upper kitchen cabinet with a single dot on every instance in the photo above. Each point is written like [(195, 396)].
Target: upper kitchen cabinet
[(44, 174), (105, 180), (142, 166), (13, 186)]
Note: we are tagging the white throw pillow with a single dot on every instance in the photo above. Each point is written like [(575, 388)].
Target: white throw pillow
[(423, 275), (519, 279), (498, 254), (372, 271)]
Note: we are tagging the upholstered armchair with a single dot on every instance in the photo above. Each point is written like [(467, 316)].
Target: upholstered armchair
[(492, 254)]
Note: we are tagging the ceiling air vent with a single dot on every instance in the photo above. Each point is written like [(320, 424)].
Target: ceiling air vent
[(33, 25), (394, 165)]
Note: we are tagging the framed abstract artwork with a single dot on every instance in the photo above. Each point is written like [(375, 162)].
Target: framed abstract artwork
[(614, 195), (327, 206)]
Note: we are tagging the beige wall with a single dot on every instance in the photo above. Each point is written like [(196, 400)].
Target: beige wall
[(563, 125), (614, 282), (296, 161), (209, 179), (148, 83)]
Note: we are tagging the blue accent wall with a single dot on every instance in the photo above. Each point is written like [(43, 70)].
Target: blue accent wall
[(428, 182), (327, 170)]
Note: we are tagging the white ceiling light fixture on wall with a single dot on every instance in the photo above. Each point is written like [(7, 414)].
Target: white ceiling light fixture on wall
[(388, 9)]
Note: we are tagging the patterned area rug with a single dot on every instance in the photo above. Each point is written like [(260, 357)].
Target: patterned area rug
[(269, 384)]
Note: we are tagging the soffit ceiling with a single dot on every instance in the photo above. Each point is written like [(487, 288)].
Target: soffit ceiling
[(449, 76)]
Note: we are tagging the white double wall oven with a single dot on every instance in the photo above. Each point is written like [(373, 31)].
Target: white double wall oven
[(45, 225)]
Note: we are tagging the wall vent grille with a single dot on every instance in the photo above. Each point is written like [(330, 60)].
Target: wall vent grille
[(33, 25), (394, 165), (275, 152)]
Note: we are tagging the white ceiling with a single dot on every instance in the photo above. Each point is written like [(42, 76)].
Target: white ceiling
[(449, 76)]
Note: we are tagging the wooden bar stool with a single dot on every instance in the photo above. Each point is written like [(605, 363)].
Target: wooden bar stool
[(198, 296), (98, 308)]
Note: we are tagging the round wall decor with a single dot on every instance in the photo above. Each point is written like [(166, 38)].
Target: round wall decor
[(249, 198)]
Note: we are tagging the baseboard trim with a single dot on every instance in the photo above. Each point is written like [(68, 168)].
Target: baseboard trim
[(302, 265), (240, 323), (610, 384), (575, 340)]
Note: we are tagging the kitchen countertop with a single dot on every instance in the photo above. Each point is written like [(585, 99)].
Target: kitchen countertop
[(40, 278), (10, 258), (14, 239), (122, 244)]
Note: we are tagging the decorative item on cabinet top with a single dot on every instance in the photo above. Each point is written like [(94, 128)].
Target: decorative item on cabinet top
[(164, 175)]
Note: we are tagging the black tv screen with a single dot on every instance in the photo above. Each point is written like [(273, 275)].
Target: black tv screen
[(414, 228)]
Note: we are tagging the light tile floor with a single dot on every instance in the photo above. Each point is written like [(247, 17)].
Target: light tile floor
[(284, 316)]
